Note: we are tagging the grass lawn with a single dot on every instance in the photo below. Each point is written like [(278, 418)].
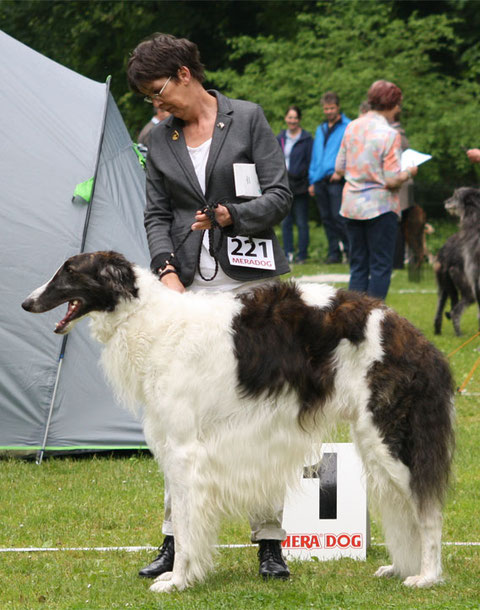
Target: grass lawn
[(117, 501)]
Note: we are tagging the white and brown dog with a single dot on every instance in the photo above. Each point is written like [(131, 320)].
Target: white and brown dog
[(238, 389)]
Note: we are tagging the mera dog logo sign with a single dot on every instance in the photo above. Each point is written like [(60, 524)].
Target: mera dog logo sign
[(326, 517), (323, 541)]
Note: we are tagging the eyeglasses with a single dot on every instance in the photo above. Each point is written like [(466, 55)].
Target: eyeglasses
[(157, 96)]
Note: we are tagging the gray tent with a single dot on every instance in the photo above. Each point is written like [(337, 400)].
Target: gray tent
[(58, 130)]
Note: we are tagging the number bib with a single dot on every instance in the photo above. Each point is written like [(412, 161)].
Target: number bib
[(250, 252)]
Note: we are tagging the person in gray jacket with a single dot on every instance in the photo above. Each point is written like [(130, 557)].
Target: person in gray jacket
[(206, 226)]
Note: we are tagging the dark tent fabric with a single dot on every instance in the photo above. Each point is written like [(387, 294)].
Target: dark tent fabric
[(59, 129)]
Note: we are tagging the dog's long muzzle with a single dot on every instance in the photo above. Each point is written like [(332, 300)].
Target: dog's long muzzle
[(451, 205)]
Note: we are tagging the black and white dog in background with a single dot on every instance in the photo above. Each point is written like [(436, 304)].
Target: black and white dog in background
[(457, 267), (239, 390)]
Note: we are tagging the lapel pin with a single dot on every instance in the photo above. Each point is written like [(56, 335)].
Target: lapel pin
[(175, 135), (221, 125)]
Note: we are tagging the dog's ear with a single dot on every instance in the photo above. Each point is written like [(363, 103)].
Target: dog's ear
[(468, 205), (118, 274), (113, 273), (471, 197)]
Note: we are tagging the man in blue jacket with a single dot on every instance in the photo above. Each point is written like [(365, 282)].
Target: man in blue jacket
[(325, 184)]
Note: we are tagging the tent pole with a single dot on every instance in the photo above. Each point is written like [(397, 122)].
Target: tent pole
[(82, 249), (100, 144), (41, 452)]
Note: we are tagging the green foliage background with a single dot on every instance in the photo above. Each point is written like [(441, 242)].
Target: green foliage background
[(345, 46), (281, 52)]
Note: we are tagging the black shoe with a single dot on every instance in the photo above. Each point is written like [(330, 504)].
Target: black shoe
[(163, 562), (332, 261), (272, 564)]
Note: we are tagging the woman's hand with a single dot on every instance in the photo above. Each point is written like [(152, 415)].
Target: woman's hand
[(474, 155), (401, 177), (412, 171), (171, 280), (335, 177), (311, 190), (222, 216)]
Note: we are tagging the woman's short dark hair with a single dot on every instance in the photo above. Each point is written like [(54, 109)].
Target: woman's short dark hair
[(161, 55), (384, 95), (295, 109)]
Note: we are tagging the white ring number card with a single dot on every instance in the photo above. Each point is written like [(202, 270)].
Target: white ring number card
[(246, 180), (250, 252)]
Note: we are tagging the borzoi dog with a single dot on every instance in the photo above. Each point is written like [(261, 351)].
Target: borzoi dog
[(449, 267), (239, 390), (465, 202)]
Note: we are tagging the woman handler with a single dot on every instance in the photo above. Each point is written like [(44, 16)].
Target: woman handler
[(209, 153)]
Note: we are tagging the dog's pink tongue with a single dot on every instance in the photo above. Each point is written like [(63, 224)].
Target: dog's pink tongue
[(60, 326)]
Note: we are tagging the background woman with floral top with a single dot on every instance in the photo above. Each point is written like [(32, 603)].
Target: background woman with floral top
[(369, 158)]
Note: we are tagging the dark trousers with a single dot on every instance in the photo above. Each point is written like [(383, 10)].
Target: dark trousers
[(372, 246), (328, 196), (299, 213)]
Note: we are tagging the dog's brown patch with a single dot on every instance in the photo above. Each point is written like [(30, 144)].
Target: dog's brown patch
[(411, 389), (281, 341)]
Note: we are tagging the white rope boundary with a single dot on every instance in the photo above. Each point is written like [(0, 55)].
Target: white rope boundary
[(135, 549)]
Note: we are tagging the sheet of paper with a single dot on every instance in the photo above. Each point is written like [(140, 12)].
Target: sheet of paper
[(412, 157), (246, 180)]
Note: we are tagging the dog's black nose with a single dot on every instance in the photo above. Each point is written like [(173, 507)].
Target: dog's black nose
[(27, 304)]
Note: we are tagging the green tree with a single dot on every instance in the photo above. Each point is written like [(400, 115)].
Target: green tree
[(345, 46), (95, 37), (289, 51)]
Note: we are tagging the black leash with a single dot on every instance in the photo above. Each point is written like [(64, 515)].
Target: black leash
[(209, 211)]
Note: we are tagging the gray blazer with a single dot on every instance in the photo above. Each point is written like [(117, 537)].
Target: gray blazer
[(241, 135)]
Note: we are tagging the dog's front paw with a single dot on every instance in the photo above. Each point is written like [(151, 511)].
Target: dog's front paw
[(166, 583), (385, 572), (421, 582), (163, 586)]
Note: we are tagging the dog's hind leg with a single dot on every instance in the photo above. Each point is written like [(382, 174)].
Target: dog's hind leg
[(459, 281), (390, 493), (430, 528), (413, 539), (412, 529), (456, 315), (400, 528), (442, 299)]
